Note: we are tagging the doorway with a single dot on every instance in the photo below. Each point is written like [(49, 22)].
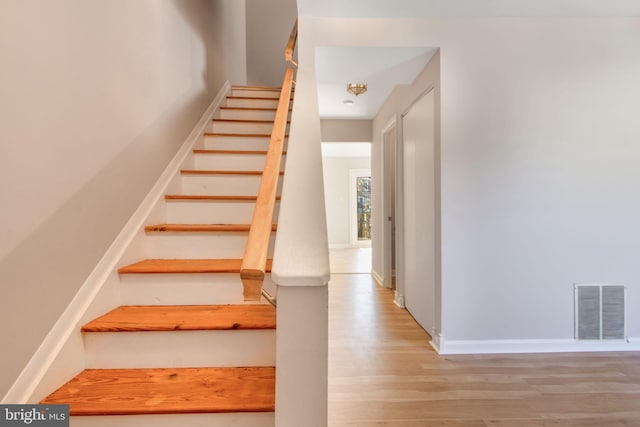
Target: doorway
[(340, 160)]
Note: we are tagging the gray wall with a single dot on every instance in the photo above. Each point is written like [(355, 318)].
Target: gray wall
[(346, 130), (539, 160), (269, 24), (95, 99)]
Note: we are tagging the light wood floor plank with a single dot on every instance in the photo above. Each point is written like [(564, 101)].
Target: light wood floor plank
[(383, 372)]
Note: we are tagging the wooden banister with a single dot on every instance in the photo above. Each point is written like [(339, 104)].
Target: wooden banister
[(254, 261), (291, 45)]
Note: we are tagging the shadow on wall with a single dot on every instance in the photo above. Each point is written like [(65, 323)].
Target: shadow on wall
[(265, 43), (41, 274)]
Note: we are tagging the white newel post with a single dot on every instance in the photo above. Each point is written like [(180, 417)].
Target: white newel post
[(301, 270)]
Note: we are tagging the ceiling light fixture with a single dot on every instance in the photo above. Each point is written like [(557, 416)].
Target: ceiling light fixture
[(348, 102), (356, 88)]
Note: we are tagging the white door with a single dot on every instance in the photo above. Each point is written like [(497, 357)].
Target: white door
[(419, 211)]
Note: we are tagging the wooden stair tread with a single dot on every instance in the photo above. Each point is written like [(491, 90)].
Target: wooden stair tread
[(220, 172), (184, 318), (250, 108), (212, 197), (168, 391), (246, 121), (262, 98), (261, 152), (258, 88), (252, 97), (201, 227), (241, 135), (178, 266)]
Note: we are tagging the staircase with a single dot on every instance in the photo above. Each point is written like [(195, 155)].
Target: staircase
[(184, 349)]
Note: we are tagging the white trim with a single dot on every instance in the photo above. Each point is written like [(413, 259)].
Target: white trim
[(399, 299), (388, 226), (42, 360), (377, 278), (400, 234), (533, 346), (435, 342)]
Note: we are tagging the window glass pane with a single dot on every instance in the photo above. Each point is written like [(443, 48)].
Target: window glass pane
[(364, 207)]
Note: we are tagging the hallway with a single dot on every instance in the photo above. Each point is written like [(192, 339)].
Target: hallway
[(383, 372)]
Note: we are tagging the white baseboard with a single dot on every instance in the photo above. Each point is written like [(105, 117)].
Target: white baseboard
[(436, 342), (378, 278), (62, 333), (399, 300), (445, 347)]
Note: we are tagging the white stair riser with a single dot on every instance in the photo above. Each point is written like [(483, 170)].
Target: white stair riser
[(223, 185), (219, 161), (199, 245), (253, 93), (185, 289), (211, 212), (241, 127), (181, 289), (179, 349), (240, 419), (235, 143), (251, 103), (246, 114)]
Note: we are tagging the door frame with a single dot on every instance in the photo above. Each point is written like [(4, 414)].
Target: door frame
[(391, 204)]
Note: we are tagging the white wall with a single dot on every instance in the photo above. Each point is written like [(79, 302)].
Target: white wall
[(269, 25), (95, 99), (539, 160), (336, 190)]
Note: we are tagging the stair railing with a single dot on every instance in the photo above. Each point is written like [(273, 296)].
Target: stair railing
[(254, 262), (291, 45)]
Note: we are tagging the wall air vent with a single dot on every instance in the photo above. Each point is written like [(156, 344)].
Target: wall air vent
[(600, 312)]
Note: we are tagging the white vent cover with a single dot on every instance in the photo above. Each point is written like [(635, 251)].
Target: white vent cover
[(600, 312)]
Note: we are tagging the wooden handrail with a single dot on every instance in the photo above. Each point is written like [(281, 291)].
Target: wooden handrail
[(291, 45), (254, 261)]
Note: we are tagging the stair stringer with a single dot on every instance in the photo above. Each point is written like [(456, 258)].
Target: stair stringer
[(61, 353)]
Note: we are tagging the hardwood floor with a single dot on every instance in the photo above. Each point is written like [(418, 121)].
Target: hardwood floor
[(350, 260), (382, 372)]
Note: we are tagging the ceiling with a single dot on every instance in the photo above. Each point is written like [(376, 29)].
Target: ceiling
[(466, 8), (383, 68)]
